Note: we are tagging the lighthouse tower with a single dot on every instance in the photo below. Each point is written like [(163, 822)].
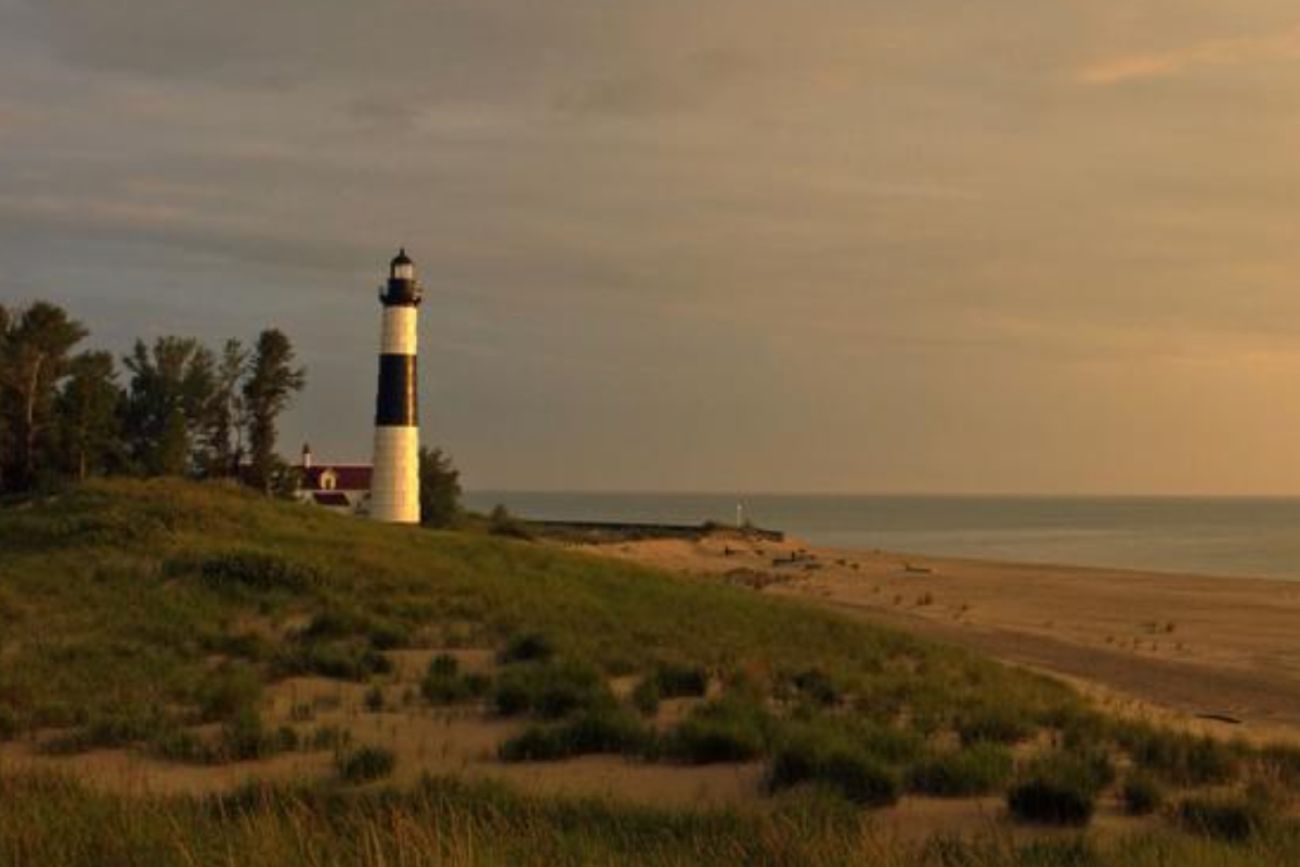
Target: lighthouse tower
[(395, 482)]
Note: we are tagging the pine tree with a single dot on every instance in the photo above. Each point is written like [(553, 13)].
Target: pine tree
[(89, 416), (35, 358), (170, 397), (439, 489), (271, 385), (223, 436)]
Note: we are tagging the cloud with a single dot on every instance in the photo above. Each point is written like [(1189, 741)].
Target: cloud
[(1233, 51)]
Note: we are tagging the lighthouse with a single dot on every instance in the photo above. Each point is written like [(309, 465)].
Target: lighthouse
[(395, 483)]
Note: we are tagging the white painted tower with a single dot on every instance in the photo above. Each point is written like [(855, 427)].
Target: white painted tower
[(395, 482)]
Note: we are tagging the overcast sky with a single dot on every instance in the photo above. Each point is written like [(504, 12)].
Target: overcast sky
[(755, 245)]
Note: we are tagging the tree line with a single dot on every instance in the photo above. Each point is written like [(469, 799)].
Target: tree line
[(176, 407)]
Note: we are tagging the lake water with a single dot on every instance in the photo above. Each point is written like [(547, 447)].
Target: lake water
[(1216, 536)]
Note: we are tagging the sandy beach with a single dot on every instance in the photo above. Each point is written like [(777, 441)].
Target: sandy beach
[(1215, 654)]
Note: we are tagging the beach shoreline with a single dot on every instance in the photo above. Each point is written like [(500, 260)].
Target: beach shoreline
[(1218, 654)]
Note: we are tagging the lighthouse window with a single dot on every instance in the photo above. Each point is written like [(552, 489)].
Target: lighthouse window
[(404, 272)]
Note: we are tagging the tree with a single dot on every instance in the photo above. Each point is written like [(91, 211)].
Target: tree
[(271, 385), (170, 398), (35, 357), (223, 431), (89, 414), (439, 489)]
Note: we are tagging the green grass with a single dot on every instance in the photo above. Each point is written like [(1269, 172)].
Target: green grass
[(138, 584), (131, 613), (449, 823)]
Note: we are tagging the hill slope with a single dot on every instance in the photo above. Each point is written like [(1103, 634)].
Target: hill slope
[(205, 627)]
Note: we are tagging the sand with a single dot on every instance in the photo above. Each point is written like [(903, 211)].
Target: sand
[(1210, 653)]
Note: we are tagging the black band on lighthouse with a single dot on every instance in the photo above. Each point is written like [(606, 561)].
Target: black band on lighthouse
[(397, 405)]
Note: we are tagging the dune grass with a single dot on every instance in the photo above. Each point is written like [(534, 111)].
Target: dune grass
[(448, 823), (131, 613)]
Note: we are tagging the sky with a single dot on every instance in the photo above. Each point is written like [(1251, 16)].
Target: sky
[(716, 245)]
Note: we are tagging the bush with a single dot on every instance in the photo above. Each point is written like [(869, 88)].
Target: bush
[(258, 571), (365, 764), (502, 523), (114, 727), (816, 685), (1141, 795), (597, 731), (669, 680), (1279, 761), (680, 681), (243, 737), (550, 690), (728, 730), (996, 725), (227, 690), (854, 773), (1061, 788), (1052, 802), (374, 699), (531, 647), (344, 660), (977, 770), (1179, 758), (1232, 818), (444, 684), (444, 665)]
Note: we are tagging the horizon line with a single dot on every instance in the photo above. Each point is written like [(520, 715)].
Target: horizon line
[(892, 494)]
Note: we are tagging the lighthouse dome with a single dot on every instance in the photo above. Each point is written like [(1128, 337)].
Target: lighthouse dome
[(402, 268), (402, 289)]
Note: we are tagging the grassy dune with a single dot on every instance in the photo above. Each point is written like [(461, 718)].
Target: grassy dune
[(153, 616)]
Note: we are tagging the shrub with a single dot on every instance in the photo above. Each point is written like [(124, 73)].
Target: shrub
[(244, 737), (1233, 818), (998, 725), (728, 730), (444, 665), (365, 764), (680, 681), (1141, 795), (1279, 761), (227, 690), (114, 727), (328, 738), (976, 770), (531, 647), (1061, 788), (1180, 758), (669, 680), (344, 660), (854, 773), (502, 523), (1052, 802), (374, 699), (257, 570), (595, 731), (816, 685), (444, 684), (550, 690)]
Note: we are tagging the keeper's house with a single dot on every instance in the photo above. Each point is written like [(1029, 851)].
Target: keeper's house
[(340, 487)]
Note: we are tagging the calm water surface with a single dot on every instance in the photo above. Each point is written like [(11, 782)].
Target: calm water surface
[(1217, 536)]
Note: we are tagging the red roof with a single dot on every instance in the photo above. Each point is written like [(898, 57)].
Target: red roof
[(348, 477), (330, 498)]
